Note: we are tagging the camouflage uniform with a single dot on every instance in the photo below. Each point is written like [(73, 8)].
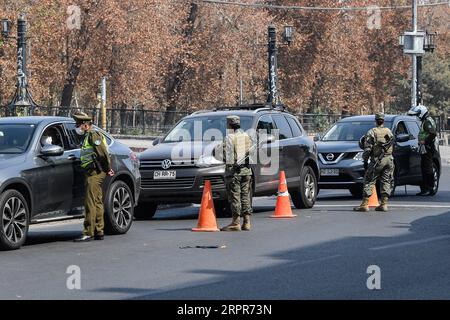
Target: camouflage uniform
[(377, 168), (427, 136), (236, 148)]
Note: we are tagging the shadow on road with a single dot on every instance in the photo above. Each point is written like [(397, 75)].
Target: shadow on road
[(413, 266), (42, 237)]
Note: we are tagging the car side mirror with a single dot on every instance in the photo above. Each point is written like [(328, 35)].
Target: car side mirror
[(402, 137), (51, 151), (156, 141), (317, 137)]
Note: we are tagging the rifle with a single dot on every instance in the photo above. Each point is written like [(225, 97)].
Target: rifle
[(384, 147)]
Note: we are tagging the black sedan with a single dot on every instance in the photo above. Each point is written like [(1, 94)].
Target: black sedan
[(40, 178)]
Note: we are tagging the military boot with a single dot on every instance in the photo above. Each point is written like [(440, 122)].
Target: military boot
[(383, 205), (364, 207), (246, 225), (235, 225)]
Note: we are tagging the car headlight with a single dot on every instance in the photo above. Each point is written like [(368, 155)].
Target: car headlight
[(358, 156), (207, 161)]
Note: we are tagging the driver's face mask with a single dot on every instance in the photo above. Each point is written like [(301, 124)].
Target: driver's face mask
[(47, 140)]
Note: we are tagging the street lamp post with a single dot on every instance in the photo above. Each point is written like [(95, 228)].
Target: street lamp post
[(273, 97), (22, 103), (416, 43)]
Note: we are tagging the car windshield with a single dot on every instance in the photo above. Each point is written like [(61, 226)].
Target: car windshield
[(207, 128), (350, 130), (15, 138)]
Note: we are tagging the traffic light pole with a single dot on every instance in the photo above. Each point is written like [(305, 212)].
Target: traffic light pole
[(414, 59)]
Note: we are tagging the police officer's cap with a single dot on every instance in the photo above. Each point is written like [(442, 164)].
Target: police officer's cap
[(233, 120), (379, 116), (81, 117)]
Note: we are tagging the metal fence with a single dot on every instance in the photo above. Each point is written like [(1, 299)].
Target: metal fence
[(139, 121)]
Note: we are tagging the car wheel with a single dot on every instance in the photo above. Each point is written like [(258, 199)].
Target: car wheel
[(305, 196), (435, 179), (119, 208), (357, 191), (14, 220), (145, 210)]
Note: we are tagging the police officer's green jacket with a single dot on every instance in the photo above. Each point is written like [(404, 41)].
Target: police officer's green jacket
[(375, 138), (95, 145), (236, 149), (428, 131)]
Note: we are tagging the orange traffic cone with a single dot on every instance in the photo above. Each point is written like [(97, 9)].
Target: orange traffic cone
[(283, 207), (207, 216), (373, 200)]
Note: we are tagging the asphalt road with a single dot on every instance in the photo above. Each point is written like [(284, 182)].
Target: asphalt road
[(323, 253)]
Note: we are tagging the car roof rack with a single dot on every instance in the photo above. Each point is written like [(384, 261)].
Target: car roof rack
[(255, 107)]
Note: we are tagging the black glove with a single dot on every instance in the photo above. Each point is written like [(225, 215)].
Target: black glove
[(366, 165)]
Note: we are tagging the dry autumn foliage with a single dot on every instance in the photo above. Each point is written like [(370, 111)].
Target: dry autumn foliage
[(186, 55)]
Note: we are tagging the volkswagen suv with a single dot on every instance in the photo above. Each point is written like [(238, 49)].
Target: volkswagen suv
[(175, 168)]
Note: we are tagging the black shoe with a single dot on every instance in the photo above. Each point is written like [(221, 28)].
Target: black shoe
[(99, 237), (83, 239)]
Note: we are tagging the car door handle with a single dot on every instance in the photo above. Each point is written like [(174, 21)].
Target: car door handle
[(71, 157)]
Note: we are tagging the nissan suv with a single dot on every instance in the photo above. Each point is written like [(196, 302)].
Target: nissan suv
[(341, 163), (174, 170)]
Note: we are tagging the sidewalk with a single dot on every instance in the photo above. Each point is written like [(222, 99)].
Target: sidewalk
[(445, 155)]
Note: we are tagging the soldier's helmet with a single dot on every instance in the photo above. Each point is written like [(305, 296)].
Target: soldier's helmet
[(234, 120), (420, 111), (379, 116), (81, 117)]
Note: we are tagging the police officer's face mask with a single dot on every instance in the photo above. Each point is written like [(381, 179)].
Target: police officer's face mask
[(79, 131)]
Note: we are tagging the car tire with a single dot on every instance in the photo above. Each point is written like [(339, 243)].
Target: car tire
[(435, 180), (13, 232), (119, 208), (356, 191), (304, 197), (145, 210)]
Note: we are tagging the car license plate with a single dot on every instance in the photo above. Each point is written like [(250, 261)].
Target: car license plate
[(160, 175), (329, 172)]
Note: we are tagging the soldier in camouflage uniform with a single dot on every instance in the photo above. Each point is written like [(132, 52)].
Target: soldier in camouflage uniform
[(427, 137), (236, 148), (378, 149)]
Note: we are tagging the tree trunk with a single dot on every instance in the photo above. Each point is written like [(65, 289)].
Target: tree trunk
[(179, 69)]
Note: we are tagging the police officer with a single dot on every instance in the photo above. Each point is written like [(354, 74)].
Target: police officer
[(96, 163), (236, 149), (427, 137), (378, 148)]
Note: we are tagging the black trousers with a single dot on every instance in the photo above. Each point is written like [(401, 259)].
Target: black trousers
[(427, 170)]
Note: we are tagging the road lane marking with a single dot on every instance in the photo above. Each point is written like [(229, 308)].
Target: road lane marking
[(410, 243), (390, 205)]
